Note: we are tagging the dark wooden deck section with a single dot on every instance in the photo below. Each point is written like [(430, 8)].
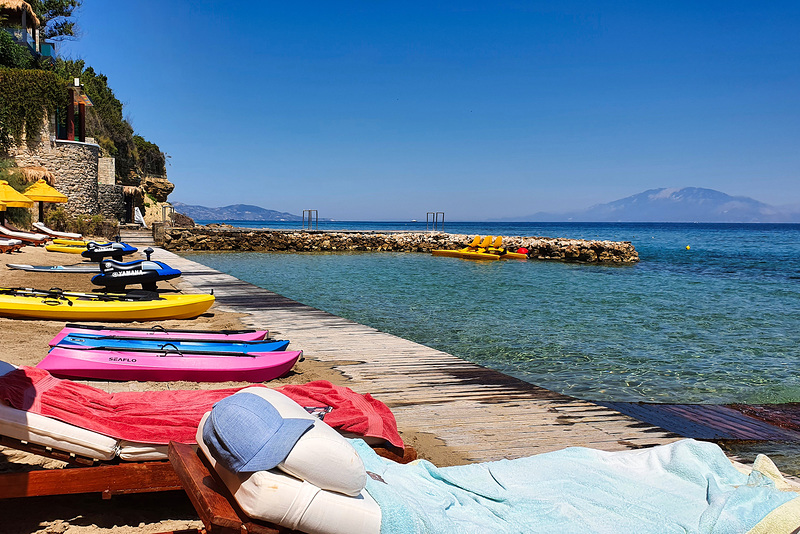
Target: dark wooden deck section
[(483, 414), (705, 421)]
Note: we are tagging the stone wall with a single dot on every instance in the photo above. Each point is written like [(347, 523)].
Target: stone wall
[(237, 239), (107, 171), (73, 164), (111, 201)]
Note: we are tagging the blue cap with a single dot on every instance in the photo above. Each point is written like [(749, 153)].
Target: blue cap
[(245, 433)]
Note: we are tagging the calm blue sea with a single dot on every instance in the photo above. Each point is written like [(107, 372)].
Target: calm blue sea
[(717, 323)]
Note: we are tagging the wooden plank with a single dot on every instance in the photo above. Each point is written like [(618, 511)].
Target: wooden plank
[(211, 499), (109, 480)]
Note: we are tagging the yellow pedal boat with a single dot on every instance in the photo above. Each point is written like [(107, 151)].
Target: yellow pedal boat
[(66, 306), (469, 255), (487, 249)]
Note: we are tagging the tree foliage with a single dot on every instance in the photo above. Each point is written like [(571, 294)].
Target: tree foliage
[(56, 17), (152, 161), (13, 55), (27, 97), (105, 122)]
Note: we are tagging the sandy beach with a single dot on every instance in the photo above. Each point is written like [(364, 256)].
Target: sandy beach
[(26, 343)]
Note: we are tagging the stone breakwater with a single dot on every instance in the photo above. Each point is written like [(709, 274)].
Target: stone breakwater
[(240, 240)]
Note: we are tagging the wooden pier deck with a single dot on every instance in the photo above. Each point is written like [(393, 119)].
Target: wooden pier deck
[(483, 414)]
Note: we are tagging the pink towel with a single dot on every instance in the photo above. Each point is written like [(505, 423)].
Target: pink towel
[(159, 417)]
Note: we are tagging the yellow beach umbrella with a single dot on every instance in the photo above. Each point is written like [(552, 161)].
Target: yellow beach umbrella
[(42, 192), (2, 206), (12, 199)]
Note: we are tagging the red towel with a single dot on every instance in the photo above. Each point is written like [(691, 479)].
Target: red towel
[(359, 414), (159, 417)]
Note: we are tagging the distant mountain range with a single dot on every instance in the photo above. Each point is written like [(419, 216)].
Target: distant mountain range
[(690, 204), (235, 212)]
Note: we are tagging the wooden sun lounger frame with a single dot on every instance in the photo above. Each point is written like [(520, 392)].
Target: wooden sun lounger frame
[(85, 475), (29, 240), (11, 248), (214, 503)]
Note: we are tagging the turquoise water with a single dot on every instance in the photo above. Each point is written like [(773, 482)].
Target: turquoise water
[(717, 323)]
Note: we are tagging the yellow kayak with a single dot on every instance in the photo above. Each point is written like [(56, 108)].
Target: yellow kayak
[(72, 242), (69, 249), (66, 306), (469, 255)]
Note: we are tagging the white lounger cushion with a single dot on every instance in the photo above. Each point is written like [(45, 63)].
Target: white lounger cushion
[(9, 242), (41, 430), (64, 437), (24, 235), (321, 456), (287, 501), (131, 451), (45, 229)]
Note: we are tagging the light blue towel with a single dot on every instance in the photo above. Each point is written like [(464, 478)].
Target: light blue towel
[(686, 486)]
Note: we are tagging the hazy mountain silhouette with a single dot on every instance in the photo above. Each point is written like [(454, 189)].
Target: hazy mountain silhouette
[(690, 204), (235, 212)]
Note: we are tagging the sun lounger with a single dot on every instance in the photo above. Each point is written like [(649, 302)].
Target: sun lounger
[(27, 237), (108, 465), (684, 486), (64, 235), (10, 245)]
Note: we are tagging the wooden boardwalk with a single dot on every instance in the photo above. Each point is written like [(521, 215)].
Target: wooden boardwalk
[(483, 414)]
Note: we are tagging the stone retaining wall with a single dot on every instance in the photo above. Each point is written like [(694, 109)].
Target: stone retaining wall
[(72, 163), (110, 200), (237, 239)]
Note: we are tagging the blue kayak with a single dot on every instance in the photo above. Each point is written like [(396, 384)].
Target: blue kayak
[(102, 342)]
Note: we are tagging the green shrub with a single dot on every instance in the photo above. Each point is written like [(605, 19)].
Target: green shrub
[(57, 219), (88, 225)]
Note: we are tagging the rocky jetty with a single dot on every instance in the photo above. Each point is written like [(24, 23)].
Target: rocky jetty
[(223, 237)]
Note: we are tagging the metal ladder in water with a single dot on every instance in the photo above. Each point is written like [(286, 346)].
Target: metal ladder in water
[(432, 222)]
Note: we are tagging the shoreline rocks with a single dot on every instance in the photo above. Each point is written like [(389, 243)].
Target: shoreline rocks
[(226, 238)]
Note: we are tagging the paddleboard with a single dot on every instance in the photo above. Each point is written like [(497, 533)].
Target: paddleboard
[(76, 268)]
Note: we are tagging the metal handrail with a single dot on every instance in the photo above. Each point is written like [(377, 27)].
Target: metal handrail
[(436, 224), (311, 213)]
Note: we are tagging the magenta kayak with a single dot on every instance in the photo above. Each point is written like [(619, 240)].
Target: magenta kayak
[(162, 334), (167, 366)]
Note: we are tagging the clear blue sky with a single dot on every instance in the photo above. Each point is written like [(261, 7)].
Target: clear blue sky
[(384, 111)]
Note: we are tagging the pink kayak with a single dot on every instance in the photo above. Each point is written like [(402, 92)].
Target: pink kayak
[(165, 366), (161, 333)]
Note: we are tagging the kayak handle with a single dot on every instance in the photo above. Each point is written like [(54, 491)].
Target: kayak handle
[(167, 353)]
